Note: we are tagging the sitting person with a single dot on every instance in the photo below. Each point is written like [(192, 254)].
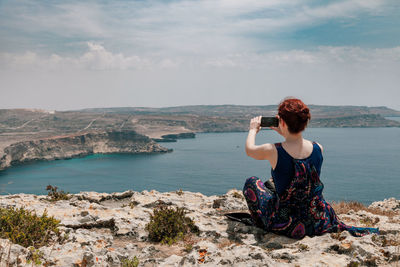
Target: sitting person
[(294, 206)]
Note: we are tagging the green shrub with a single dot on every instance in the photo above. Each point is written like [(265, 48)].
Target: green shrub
[(353, 264), (56, 195), (35, 256), (130, 262), (167, 225), (238, 195), (25, 228), (188, 248)]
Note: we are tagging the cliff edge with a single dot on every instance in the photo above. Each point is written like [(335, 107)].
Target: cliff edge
[(104, 229), (77, 145)]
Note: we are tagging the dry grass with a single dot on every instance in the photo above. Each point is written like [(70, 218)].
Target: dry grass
[(343, 207), (384, 241)]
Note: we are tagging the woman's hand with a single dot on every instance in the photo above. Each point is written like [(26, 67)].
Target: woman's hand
[(255, 124), (277, 129)]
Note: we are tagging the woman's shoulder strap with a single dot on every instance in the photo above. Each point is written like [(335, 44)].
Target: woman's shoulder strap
[(318, 146)]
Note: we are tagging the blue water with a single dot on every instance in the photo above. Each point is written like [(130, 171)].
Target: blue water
[(360, 164)]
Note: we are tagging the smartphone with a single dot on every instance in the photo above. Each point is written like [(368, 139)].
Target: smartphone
[(269, 122)]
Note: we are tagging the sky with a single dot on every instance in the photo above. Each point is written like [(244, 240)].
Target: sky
[(63, 55)]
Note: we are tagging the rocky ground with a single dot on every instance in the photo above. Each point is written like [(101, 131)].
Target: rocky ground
[(104, 229)]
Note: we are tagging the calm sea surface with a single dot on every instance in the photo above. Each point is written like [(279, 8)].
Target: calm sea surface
[(360, 164)]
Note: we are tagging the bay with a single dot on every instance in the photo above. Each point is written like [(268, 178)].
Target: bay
[(360, 164)]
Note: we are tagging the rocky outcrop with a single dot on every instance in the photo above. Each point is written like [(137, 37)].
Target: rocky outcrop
[(174, 137), (76, 145), (179, 136), (104, 229)]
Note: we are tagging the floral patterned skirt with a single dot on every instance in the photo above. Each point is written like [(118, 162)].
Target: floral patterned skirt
[(316, 219)]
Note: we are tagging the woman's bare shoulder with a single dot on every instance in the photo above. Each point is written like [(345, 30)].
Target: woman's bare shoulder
[(320, 146)]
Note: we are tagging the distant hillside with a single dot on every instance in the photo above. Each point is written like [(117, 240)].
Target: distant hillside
[(317, 111), (365, 120)]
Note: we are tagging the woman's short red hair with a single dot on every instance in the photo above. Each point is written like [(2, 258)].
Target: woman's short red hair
[(295, 113)]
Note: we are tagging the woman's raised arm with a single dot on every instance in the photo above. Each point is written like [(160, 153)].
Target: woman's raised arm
[(261, 152)]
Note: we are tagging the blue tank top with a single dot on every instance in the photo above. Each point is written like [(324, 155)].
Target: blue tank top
[(284, 170)]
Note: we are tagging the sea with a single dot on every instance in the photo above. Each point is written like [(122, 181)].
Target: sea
[(360, 164)]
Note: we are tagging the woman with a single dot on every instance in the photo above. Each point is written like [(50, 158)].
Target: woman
[(294, 206)]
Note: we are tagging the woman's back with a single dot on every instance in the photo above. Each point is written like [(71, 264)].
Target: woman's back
[(284, 169), (298, 151)]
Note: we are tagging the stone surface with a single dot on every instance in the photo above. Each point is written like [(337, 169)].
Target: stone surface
[(104, 229)]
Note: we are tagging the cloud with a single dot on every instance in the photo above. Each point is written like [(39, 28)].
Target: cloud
[(98, 58), (322, 56), (100, 77), (172, 27)]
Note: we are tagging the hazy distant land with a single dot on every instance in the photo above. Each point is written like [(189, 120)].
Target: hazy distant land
[(27, 135)]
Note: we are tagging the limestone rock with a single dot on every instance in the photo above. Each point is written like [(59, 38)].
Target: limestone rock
[(77, 145), (105, 229)]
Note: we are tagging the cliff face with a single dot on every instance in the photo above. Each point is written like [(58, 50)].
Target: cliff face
[(75, 145), (103, 229)]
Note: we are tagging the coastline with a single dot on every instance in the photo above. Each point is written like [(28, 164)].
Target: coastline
[(27, 135), (78, 145)]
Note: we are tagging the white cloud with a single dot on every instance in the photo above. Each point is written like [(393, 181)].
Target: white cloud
[(322, 56), (101, 78), (98, 58)]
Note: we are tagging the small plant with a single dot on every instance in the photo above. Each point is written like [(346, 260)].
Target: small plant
[(63, 238), (130, 262), (338, 236), (35, 256), (168, 225), (303, 247), (179, 192), (56, 195), (188, 248), (353, 264), (367, 221), (383, 241), (25, 228), (131, 204), (237, 195)]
